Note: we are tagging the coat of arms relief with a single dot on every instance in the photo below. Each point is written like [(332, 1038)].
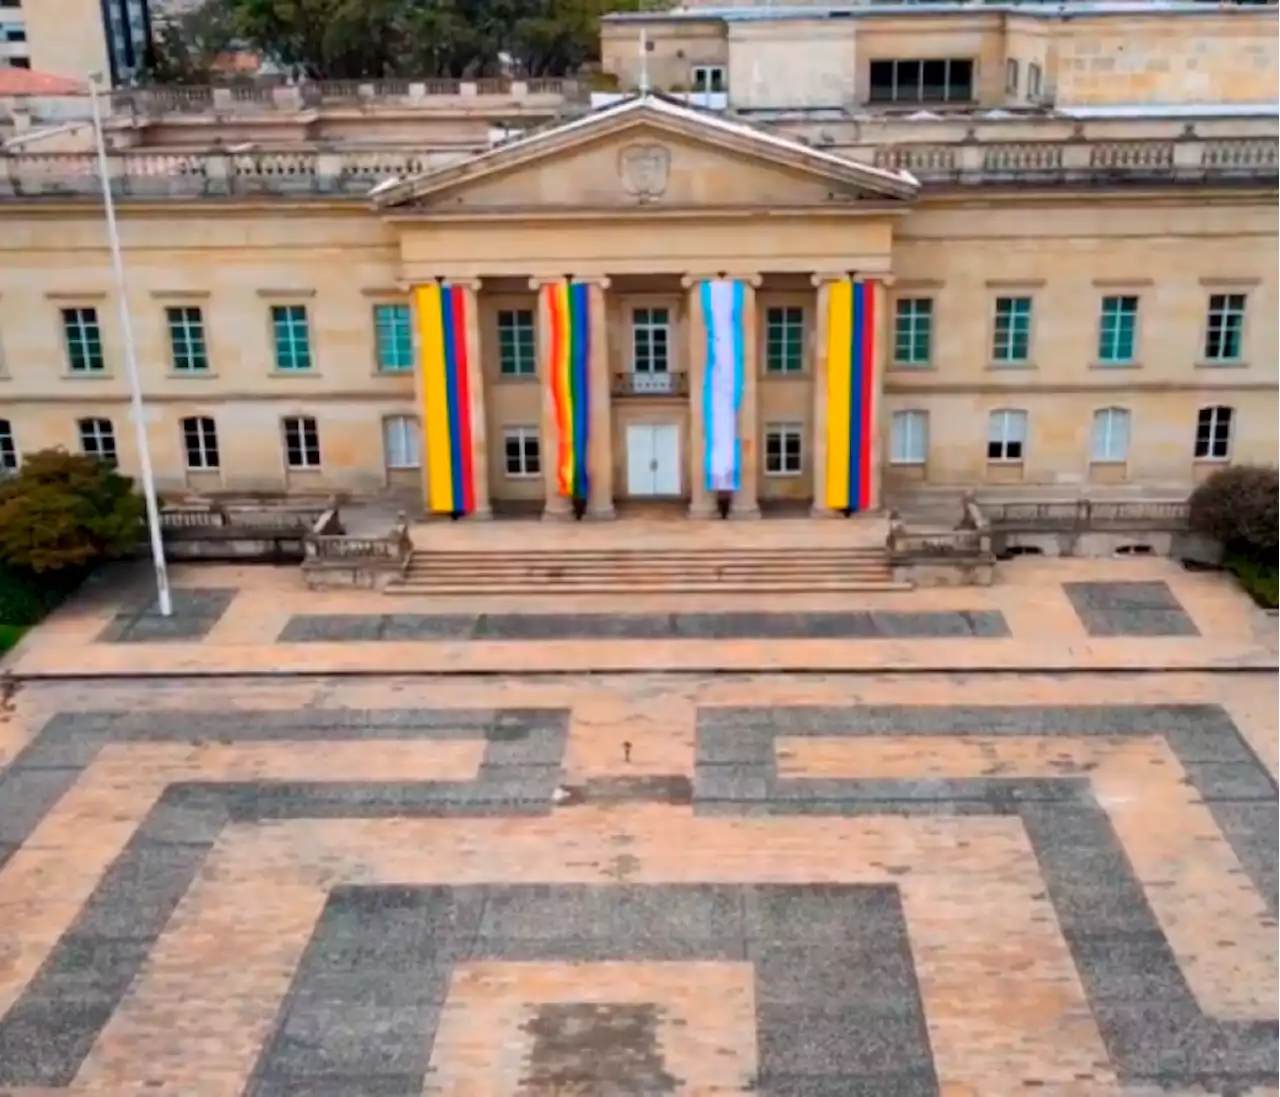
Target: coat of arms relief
[(644, 170)]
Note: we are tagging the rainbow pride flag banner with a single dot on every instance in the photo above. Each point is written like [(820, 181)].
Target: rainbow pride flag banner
[(723, 315), (851, 393), (568, 344), (446, 397)]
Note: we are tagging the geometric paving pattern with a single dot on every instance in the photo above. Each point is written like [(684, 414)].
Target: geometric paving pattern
[(195, 611), (1129, 609), (350, 627), (398, 902)]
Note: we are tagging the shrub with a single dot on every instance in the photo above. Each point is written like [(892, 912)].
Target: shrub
[(65, 512), (1240, 508)]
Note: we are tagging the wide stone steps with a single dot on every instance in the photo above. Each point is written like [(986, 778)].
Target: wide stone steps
[(619, 571)]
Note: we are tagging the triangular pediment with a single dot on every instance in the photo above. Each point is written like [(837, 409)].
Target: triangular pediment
[(645, 153)]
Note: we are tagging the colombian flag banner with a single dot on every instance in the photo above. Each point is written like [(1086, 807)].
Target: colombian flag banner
[(851, 389), (442, 339), (568, 345)]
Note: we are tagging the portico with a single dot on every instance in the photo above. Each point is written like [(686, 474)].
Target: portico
[(699, 341)]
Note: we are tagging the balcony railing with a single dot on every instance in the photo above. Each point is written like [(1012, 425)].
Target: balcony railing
[(650, 384), (142, 173)]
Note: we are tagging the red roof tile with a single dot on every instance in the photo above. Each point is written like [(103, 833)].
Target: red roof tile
[(18, 82)]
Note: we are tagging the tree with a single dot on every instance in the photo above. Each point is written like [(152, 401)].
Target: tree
[(64, 511), (185, 48), (1240, 508)]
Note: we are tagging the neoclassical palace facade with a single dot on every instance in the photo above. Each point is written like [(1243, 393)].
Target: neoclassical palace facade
[(662, 297)]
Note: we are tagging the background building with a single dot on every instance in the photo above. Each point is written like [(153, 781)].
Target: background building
[(72, 38), (1066, 215)]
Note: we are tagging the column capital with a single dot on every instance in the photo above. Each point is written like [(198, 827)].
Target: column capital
[(883, 279), (691, 280), (537, 281), (408, 286), (821, 278), (601, 280), (473, 284)]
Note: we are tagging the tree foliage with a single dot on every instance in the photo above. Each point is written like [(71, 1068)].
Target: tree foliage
[(1240, 507), (66, 511), (375, 39)]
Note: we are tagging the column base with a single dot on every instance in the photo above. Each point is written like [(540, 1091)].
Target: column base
[(557, 515), (481, 514), (603, 512), (819, 511), (741, 513), (702, 509)]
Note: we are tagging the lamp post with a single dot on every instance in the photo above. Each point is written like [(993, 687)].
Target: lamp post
[(131, 362)]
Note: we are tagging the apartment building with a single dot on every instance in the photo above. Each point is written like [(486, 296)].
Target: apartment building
[(72, 38)]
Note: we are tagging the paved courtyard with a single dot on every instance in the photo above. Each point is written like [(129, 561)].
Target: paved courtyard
[(910, 881)]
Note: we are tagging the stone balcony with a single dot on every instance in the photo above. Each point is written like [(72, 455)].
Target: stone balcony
[(1108, 152)]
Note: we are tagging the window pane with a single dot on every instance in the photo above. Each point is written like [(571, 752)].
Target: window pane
[(83, 340), (292, 338), (400, 433), (913, 331), (907, 437), (1012, 337), (1110, 441), (8, 450), (1224, 335), (1118, 329), (784, 340), (517, 347), (393, 337), (186, 338)]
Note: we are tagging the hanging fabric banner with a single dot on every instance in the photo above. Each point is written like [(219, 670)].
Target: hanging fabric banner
[(851, 390), (724, 320), (446, 412), (568, 309)]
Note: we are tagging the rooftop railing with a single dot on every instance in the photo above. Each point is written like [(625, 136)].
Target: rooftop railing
[(148, 173)]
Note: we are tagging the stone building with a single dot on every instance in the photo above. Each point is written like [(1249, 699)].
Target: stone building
[(822, 258)]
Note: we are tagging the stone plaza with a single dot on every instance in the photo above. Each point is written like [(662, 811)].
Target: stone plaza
[(974, 843)]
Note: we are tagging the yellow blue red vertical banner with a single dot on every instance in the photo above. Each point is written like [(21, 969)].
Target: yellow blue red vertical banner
[(446, 397), (568, 349), (851, 393)]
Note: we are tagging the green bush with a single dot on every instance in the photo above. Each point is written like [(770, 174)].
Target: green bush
[(26, 597), (65, 512), (1240, 508), (1261, 581), (9, 637)]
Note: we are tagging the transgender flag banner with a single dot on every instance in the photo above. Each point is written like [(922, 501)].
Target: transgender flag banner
[(723, 316)]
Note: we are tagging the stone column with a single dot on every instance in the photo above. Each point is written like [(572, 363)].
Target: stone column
[(746, 504), (475, 390), (556, 507), (600, 416), (822, 283), (701, 502), (884, 333)]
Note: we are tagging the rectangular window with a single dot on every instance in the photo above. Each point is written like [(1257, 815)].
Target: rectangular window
[(84, 340), (522, 452), (517, 343), (1011, 342), (393, 338), (913, 331), (783, 450), (1224, 336), (1118, 330), (650, 340), (200, 440), (909, 437), (1006, 435), (186, 338), (1033, 81), (1213, 434), (945, 81), (401, 439), (1011, 76), (292, 337), (8, 449), (710, 79), (301, 442), (784, 340), (98, 439), (1110, 442)]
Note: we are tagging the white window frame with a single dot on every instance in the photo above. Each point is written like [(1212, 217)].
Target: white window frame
[(98, 439), (8, 448), (1035, 81), (784, 433), (205, 436), (522, 436), (1221, 419), (703, 80), (1109, 436), (1006, 428), (909, 437), (401, 442), (302, 424), (1012, 76), (651, 327)]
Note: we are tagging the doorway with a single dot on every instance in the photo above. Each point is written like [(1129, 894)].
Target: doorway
[(653, 460)]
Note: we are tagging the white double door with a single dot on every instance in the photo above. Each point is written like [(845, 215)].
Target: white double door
[(653, 459)]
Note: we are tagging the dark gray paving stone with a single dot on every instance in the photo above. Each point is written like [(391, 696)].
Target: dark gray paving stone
[(307, 628), (898, 1084), (1231, 781), (940, 624), (1137, 967), (92, 969), (574, 626), (1129, 609), (44, 1045), (333, 1085), (195, 611), (139, 891), (354, 1040), (797, 1039), (26, 795), (421, 626), (1251, 828)]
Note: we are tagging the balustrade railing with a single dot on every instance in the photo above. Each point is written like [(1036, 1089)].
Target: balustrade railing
[(1086, 514), (650, 384), (157, 173)]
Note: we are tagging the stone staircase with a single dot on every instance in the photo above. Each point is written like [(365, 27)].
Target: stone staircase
[(782, 569)]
